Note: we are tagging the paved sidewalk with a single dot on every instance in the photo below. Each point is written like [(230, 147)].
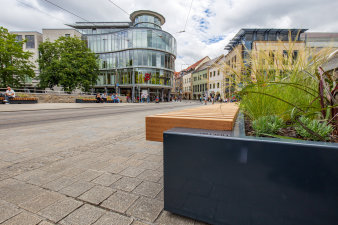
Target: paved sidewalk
[(96, 171), (55, 106)]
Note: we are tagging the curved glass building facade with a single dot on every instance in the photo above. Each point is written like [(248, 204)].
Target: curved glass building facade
[(135, 57)]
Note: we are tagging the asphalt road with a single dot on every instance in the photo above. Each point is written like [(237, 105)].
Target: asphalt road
[(26, 118)]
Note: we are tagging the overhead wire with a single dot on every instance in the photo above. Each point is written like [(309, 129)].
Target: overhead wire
[(186, 22), (119, 7), (66, 10), (32, 7)]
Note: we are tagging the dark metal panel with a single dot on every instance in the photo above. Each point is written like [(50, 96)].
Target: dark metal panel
[(249, 181)]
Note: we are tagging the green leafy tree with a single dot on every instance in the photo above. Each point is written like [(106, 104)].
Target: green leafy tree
[(67, 62), (15, 64)]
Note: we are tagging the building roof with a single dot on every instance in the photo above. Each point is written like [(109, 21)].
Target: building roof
[(239, 36), (17, 32), (84, 25), (209, 63), (193, 66), (147, 12)]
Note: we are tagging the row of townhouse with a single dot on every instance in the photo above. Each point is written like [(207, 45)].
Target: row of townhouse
[(216, 76)]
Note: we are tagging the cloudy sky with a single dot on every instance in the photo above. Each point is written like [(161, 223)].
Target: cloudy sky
[(211, 23)]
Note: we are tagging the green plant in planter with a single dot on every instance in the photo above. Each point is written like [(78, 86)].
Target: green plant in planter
[(267, 125), (286, 80), (313, 129)]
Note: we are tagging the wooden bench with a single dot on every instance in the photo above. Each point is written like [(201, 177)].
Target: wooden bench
[(21, 100), (210, 117), (90, 100)]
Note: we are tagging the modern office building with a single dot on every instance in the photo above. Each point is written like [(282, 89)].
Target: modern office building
[(135, 57), (320, 40), (246, 41)]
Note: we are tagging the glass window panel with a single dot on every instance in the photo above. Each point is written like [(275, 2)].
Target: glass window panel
[(153, 59), (139, 54), (149, 58), (145, 58), (158, 59), (162, 60), (139, 39), (136, 77), (130, 39), (144, 39), (130, 58), (149, 38), (30, 41)]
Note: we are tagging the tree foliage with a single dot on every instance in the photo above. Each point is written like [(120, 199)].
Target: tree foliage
[(67, 62), (15, 65)]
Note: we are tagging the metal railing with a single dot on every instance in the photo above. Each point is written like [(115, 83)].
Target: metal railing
[(39, 91)]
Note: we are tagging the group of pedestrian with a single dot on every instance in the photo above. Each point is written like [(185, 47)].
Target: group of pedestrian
[(205, 98), (102, 98), (9, 94)]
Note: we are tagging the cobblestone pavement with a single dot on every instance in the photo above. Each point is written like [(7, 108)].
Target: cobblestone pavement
[(98, 171)]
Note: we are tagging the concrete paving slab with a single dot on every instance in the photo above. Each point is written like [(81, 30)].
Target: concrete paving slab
[(41, 201), (167, 218), (132, 172), (107, 179), (8, 211), (139, 223), (16, 192), (146, 209), (148, 189), (150, 175), (59, 183), (126, 184), (86, 214), (23, 218), (88, 175), (97, 194), (112, 218), (120, 201), (77, 188), (46, 223), (60, 209)]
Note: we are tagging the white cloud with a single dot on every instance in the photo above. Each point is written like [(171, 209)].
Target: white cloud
[(209, 19)]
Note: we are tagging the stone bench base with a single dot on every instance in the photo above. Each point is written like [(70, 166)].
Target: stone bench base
[(19, 100)]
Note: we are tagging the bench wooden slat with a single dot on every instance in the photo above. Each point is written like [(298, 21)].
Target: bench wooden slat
[(212, 117)]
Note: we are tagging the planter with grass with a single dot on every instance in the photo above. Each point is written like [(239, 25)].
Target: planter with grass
[(238, 180), (278, 166)]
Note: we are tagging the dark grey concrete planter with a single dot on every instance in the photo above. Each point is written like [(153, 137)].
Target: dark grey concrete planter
[(228, 178)]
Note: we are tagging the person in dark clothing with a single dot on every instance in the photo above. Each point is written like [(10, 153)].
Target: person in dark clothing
[(98, 98)]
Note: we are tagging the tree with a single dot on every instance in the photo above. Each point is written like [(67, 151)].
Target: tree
[(15, 65), (67, 62)]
